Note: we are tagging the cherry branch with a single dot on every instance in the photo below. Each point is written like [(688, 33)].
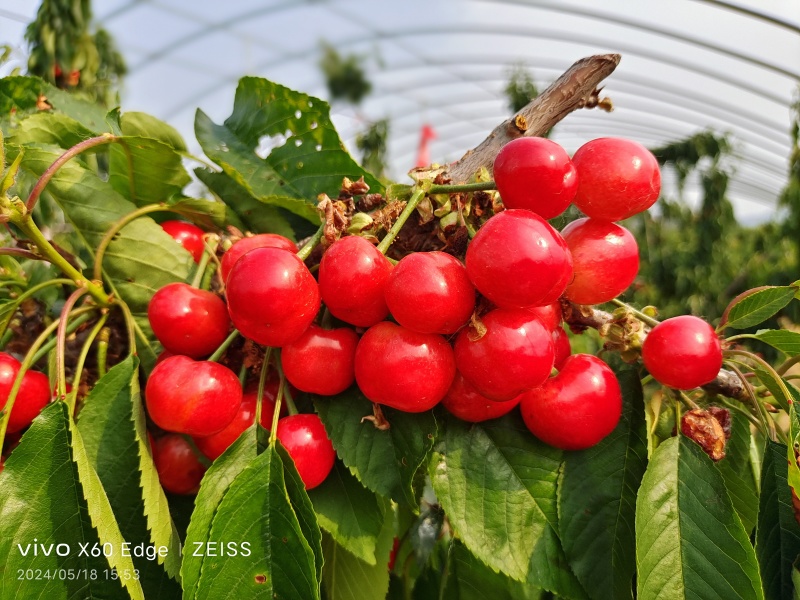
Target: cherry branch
[(576, 88)]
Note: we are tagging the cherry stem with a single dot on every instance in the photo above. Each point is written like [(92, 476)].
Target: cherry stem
[(276, 413), (102, 352), (29, 228), (262, 381), (480, 186), (80, 318), (21, 252), (284, 386), (309, 246), (208, 250), (767, 424), (764, 364), (115, 228), (130, 326), (787, 365), (636, 313), (224, 346), (61, 341), (37, 190), (411, 206), (688, 402), (35, 352), (45, 284), (72, 397)]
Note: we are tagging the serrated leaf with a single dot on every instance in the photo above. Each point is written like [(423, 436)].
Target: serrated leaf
[(307, 157), (776, 385), (497, 484), (737, 471), (349, 512), (205, 213), (550, 570), (215, 485), (778, 534), (782, 339), (384, 461), (469, 579), (50, 128), (49, 494), (146, 171), (256, 510), (759, 306), (689, 541), (138, 502), (346, 577), (597, 500), (143, 125)]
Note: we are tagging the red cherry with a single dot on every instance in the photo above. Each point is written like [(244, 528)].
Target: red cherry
[(468, 404), (535, 174), (605, 260), (683, 352), (352, 280), (515, 354), (187, 235), (272, 296), (321, 361), (179, 469), (550, 315), (517, 259), (198, 398), (33, 395), (162, 356), (561, 348), (430, 292), (214, 445), (306, 441), (404, 369), (578, 407), (244, 245), (617, 178), (187, 320)]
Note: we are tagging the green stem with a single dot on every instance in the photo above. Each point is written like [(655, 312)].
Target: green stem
[(767, 424), (38, 287), (637, 313), (309, 246), (72, 397), (102, 352), (201, 267), (29, 228), (37, 190), (224, 346), (20, 252), (262, 381), (130, 326), (416, 197), (61, 341), (115, 228), (81, 316), (764, 364), (480, 186), (787, 365), (284, 386)]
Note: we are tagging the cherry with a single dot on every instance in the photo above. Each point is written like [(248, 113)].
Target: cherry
[(187, 320), (430, 292), (321, 361), (550, 315), (179, 469), (561, 347), (617, 178), (536, 174), (468, 404), (214, 445), (306, 441), (352, 280), (404, 369), (33, 395), (272, 296), (683, 352), (199, 398), (187, 235), (244, 245), (513, 355), (605, 260), (517, 259), (578, 407)]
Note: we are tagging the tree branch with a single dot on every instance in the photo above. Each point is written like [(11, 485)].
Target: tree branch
[(576, 88)]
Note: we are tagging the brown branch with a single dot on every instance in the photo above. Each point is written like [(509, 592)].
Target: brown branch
[(576, 88)]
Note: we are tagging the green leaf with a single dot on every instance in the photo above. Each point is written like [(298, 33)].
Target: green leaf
[(346, 577), (146, 171), (776, 385), (782, 339), (147, 126), (778, 534), (138, 502), (50, 495), (307, 157), (497, 484), (256, 510), (205, 213), (755, 308), (689, 541), (737, 471), (597, 500), (350, 512), (215, 485), (550, 570), (384, 461), (470, 579), (50, 128)]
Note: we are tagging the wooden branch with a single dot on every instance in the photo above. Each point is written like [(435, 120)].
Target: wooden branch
[(573, 90)]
